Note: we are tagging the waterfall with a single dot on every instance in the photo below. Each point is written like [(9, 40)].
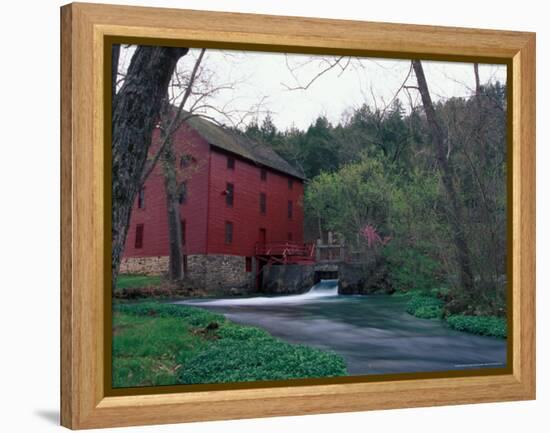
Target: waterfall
[(323, 289)]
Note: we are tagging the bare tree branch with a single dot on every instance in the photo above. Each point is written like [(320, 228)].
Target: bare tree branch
[(175, 121), (319, 74)]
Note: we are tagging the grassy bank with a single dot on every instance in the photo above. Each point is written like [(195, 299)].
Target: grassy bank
[(135, 281), (164, 344), (136, 286), (427, 305)]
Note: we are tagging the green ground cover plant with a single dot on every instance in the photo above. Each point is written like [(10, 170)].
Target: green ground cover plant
[(429, 305), (481, 325), (166, 344)]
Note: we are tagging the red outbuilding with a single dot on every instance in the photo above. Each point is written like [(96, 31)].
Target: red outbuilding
[(241, 206)]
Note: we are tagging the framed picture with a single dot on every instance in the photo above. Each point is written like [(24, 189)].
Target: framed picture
[(265, 215)]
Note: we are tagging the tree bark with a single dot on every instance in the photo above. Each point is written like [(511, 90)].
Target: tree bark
[(114, 69), (172, 189), (454, 210), (478, 84), (135, 114)]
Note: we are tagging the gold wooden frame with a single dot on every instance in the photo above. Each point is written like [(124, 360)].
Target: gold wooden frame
[(85, 28)]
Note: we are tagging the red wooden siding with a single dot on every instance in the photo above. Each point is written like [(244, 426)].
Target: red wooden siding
[(207, 207), (245, 213), (193, 210)]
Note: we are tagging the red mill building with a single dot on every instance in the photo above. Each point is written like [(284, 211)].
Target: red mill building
[(241, 207)]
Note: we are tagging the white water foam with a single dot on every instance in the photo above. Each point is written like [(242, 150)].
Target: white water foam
[(323, 289)]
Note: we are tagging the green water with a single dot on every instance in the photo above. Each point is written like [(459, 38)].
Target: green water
[(373, 333)]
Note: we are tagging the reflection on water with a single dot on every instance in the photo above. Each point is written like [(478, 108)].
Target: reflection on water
[(373, 333)]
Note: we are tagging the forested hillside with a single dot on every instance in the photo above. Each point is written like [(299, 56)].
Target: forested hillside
[(375, 179)]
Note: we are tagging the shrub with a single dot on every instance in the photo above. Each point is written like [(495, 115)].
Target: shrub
[(425, 307), (428, 312), (411, 269), (481, 325), (440, 292), (251, 359)]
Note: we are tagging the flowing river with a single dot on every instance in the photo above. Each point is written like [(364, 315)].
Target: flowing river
[(372, 333)]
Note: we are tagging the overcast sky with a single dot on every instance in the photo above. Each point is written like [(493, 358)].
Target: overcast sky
[(262, 80)]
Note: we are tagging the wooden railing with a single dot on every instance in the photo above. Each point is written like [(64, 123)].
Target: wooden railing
[(286, 248), (288, 251)]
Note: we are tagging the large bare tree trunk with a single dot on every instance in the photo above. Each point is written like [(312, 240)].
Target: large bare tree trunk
[(170, 122), (136, 111), (454, 210), (172, 189), (114, 69)]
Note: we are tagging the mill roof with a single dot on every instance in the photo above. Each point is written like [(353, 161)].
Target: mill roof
[(236, 143)]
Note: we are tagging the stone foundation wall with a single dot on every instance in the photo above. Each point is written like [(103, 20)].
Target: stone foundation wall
[(364, 279), (220, 273), (215, 273), (287, 279), (144, 265)]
